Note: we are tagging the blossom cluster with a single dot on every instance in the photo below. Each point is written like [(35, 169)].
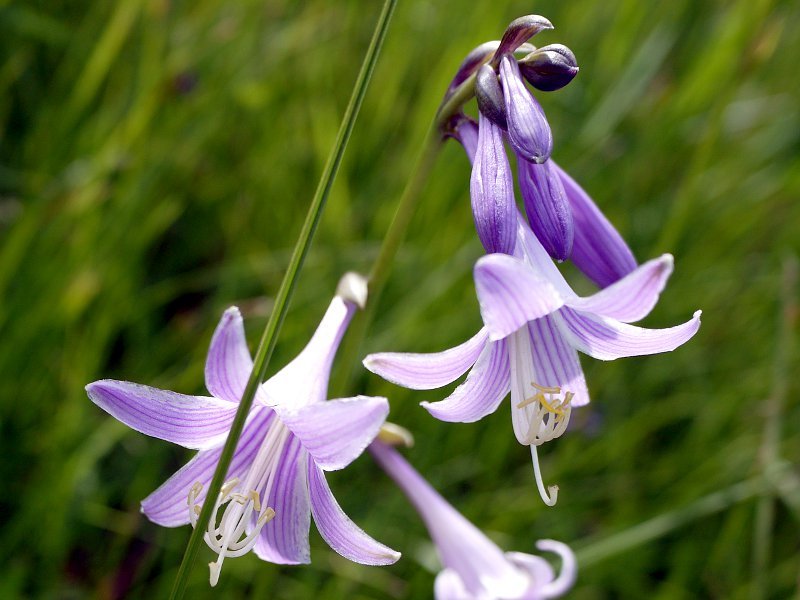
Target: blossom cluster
[(534, 328)]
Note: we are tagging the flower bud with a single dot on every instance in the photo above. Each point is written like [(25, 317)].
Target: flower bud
[(549, 68), (549, 212), (528, 129), (491, 189), (518, 31), (490, 96)]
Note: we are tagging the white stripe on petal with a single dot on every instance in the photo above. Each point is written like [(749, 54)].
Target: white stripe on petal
[(555, 362)]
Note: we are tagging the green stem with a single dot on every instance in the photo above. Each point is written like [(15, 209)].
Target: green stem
[(268, 339), (382, 266)]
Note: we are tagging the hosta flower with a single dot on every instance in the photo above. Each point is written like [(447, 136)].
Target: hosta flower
[(276, 479), (534, 326), (474, 567)]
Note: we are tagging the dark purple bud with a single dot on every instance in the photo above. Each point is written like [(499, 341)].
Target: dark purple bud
[(491, 189), (549, 68), (598, 250), (470, 64), (547, 207), (518, 31), (490, 96), (528, 129)]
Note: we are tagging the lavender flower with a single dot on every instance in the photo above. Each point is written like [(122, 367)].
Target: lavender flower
[(474, 567), (292, 435), (534, 324)]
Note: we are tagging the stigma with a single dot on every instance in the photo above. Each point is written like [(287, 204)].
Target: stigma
[(236, 532)]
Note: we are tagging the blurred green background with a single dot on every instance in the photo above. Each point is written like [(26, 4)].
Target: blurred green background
[(156, 162)]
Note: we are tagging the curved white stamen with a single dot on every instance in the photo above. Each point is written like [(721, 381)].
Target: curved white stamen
[(566, 577), (550, 414), (236, 532), (549, 497), (231, 537)]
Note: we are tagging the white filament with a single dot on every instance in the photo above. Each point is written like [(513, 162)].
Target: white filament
[(236, 532)]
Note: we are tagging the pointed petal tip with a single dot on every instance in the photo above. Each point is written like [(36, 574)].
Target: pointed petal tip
[(353, 287)]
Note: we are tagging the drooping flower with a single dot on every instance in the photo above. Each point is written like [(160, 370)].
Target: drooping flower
[(534, 326), (474, 567), (291, 436)]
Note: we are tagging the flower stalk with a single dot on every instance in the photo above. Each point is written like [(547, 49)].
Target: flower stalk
[(269, 337)]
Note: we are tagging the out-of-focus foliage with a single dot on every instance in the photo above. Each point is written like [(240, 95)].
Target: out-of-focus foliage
[(156, 161)]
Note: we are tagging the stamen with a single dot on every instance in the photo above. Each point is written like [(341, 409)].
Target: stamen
[(550, 414), (549, 497), (235, 535)]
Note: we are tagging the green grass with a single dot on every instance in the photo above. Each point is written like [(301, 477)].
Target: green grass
[(156, 162)]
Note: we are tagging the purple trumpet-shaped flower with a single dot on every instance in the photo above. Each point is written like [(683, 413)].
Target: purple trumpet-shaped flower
[(474, 567), (534, 326), (291, 436), (528, 129), (492, 190)]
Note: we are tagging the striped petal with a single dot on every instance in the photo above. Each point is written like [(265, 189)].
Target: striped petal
[(528, 129), (492, 191), (482, 392), (167, 506), (633, 297), (284, 540), (608, 339), (192, 421), (555, 362), (598, 249), (547, 208), (511, 293), (228, 364), (344, 536), (336, 432), (427, 371)]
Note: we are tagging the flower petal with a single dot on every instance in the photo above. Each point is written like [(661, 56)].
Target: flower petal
[(192, 421), (485, 387), (480, 564), (530, 249), (448, 586), (547, 208), (633, 297), (528, 129), (466, 132), (539, 570), (344, 536), (427, 371), (284, 540), (569, 569), (608, 339), (228, 364), (492, 190), (167, 505), (555, 362), (511, 293), (598, 249), (305, 379), (336, 432)]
